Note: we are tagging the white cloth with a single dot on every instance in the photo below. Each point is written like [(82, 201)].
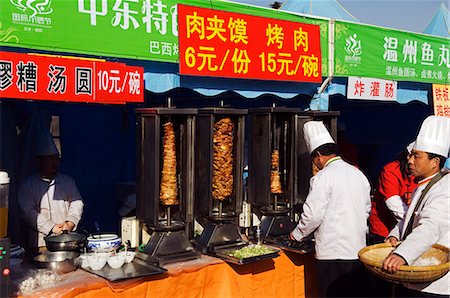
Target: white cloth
[(431, 225), (396, 205), (44, 204), (337, 208)]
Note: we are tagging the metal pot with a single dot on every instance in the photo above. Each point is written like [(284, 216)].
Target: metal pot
[(66, 241), (59, 261)]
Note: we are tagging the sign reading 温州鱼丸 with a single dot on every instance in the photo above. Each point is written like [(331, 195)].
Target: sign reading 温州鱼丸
[(371, 89), (368, 51), (441, 100), (38, 77), (233, 45)]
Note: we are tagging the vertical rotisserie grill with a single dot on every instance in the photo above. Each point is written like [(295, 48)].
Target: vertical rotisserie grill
[(165, 182), (219, 171)]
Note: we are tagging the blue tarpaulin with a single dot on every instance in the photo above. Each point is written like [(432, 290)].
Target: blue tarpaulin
[(440, 23), (323, 8)]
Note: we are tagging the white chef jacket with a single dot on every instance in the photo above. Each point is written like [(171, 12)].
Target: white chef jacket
[(431, 225), (338, 205), (44, 203)]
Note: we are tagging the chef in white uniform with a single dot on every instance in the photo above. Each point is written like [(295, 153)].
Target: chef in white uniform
[(428, 218), (49, 201), (336, 210)]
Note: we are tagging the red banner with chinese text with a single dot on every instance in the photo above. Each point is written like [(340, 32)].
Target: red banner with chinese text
[(36, 77), (233, 45), (441, 100)]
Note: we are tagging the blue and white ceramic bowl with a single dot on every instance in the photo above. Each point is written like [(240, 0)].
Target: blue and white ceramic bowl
[(103, 242)]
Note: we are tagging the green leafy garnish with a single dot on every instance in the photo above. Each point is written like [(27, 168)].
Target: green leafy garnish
[(251, 251)]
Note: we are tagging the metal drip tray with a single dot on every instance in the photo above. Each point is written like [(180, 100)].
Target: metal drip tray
[(225, 253), (280, 210), (302, 247), (137, 268)]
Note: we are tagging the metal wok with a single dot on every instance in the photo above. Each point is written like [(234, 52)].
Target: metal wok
[(59, 261), (65, 242)]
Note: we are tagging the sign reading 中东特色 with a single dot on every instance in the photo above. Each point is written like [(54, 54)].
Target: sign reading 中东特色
[(371, 89), (37, 77), (441, 100), (368, 51), (225, 44), (144, 29)]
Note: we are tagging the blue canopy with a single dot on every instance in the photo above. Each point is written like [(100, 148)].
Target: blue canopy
[(323, 8), (440, 23)]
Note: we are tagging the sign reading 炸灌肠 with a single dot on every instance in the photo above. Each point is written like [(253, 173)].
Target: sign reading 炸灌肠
[(371, 89), (233, 45), (36, 77)]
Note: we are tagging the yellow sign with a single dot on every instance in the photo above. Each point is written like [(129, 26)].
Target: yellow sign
[(441, 100)]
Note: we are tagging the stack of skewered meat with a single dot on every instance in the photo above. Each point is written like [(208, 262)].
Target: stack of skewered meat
[(222, 180), (275, 182), (168, 189)]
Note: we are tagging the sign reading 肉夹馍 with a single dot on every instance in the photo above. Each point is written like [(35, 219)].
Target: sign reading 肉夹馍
[(136, 29), (224, 44), (38, 77)]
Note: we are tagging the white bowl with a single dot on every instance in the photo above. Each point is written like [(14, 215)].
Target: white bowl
[(103, 242), (129, 255), (84, 260), (96, 263), (116, 261)]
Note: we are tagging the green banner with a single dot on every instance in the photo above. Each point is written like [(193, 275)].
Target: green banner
[(136, 29), (368, 51)]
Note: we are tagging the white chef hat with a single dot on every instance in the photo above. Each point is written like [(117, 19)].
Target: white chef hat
[(410, 146), (434, 136), (46, 145), (316, 135)]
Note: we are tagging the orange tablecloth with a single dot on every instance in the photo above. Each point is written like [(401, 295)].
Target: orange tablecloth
[(289, 275)]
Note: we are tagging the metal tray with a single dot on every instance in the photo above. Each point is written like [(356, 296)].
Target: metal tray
[(137, 268), (302, 247), (223, 254)]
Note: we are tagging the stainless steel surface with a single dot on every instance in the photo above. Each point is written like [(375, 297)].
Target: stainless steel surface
[(137, 268), (224, 255), (65, 242), (59, 261), (302, 247)]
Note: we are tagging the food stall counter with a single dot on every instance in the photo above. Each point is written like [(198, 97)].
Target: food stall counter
[(289, 275)]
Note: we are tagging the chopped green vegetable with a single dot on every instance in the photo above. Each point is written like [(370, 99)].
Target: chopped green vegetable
[(251, 251)]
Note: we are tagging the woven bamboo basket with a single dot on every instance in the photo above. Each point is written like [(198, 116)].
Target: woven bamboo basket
[(372, 257)]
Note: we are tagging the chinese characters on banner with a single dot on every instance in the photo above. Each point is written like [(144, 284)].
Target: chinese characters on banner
[(441, 100), (64, 79), (372, 89), (224, 44)]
